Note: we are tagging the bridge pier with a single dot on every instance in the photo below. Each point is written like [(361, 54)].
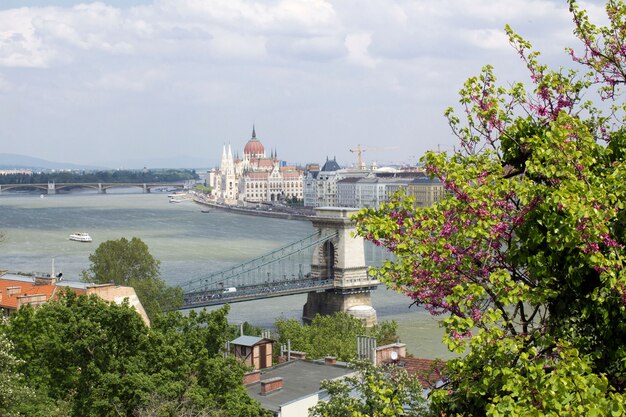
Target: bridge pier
[(51, 188), (342, 259), (101, 189), (146, 189)]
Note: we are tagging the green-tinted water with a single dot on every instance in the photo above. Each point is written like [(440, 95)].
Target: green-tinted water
[(189, 244)]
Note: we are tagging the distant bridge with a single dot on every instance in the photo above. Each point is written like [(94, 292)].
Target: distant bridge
[(101, 187)]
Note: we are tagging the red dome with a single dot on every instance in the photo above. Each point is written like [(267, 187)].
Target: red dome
[(254, 148)]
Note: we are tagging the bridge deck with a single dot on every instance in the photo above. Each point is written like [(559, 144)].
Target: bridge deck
[(254, 292)]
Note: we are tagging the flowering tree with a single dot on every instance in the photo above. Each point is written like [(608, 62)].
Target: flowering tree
[(525, 255)]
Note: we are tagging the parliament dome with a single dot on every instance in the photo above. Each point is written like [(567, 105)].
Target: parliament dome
[(254, 147)]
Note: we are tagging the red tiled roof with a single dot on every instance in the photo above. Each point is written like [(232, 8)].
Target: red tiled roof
[(291, 175), (257, 175), (265, 163), (22, 288), (427, 371)]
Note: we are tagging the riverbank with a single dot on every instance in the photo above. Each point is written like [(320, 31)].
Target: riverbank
[(276, 213)]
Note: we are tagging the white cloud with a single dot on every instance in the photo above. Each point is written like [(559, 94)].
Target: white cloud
[(339, 63), (19, 47), (357, 45), (487, 38), (134, 80)]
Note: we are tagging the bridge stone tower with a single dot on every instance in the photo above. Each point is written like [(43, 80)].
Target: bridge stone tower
[(52, 189), (341, 259)]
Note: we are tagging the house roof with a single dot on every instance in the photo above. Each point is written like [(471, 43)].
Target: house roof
[(427, 371), (426, 180), (249, 341), (22, 288), (331, 165), (27, 286), (257, 175), (349, 180), (291, 174), (300, 379), (265, 163)]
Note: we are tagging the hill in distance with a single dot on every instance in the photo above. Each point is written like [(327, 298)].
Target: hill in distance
[(14, 161)]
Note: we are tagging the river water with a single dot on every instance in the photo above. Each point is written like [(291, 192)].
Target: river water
[(189, 245)]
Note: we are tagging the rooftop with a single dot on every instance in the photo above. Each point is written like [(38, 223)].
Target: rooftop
[(300, 379), (12, 289), (248, 340), (331, 165), (427, 371)]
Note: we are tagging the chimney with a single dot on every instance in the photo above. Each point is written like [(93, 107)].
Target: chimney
[(271, 384), (330, 360), (251, 377), (14, 290), (45, 280)]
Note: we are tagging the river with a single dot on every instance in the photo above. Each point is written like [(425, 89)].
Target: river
[(189, 245)]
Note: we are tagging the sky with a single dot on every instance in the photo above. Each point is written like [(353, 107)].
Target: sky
[(124, 83)]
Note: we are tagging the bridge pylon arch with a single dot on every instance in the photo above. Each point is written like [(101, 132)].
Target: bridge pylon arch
[(341, 259)]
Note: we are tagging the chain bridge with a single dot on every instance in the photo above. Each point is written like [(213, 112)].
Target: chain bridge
[(283, 271), (328, 265)]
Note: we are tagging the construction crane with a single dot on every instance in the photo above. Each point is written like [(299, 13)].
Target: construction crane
[(359, 153)]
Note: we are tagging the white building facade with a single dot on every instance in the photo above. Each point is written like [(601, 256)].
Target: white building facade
[(373, 191), (320, 188), (255, 178)]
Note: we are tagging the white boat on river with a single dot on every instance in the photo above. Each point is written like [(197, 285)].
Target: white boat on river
[(80, 237)]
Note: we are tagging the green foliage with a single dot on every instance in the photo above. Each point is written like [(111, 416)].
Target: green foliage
[(375, 392), (248, 329), (17, 399), (186, 363), (526, 254), (83, 351), (130, 263), (294, 201), (334, 335), (121, 261), (99, 359), (202, 189)]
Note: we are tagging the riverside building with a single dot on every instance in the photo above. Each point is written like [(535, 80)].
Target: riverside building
[(254, 178), (320, 187), (333, 186)]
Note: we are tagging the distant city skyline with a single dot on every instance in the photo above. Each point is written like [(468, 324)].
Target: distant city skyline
[(115, 81)]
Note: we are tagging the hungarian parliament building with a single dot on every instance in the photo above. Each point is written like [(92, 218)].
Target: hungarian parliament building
[(254, 178)]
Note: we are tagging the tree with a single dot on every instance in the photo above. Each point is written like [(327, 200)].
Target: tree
[(190, 373), (122, 261), (525, 256), (95, 358), (202, 189), (374, 392), (334, 335), (130, 263), (83, 351), (16, 397)]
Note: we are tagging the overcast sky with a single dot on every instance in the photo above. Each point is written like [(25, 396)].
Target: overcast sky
[(118, 80)]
